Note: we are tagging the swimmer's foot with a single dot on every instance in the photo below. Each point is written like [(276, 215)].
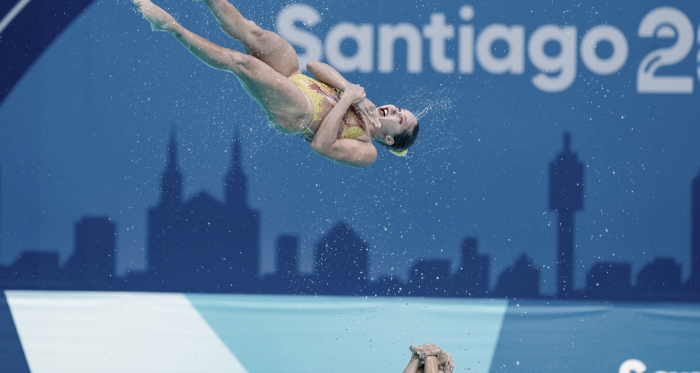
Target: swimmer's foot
[(160, 19)]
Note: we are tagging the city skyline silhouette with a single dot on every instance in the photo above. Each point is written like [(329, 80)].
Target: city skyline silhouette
[(205, 245)]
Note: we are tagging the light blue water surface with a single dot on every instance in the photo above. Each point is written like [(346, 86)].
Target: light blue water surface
[(348, 334)]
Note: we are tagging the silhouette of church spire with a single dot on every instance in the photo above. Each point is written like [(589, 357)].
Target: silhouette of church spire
[(236, 187), (171, 180), (565, 197)]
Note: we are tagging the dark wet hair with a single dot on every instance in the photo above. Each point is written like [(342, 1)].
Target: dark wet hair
[(403, 140)]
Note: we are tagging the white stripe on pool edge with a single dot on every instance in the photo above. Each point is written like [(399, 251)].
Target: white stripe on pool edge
[(116, 332), (12, 14)]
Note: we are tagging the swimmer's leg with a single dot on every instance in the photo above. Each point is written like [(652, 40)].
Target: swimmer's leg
[(265, 45), (208, 52), (281, 100)]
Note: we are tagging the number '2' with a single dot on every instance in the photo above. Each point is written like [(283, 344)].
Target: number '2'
[(666, 22)]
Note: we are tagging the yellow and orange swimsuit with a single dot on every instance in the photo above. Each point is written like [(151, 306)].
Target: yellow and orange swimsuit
[(317, 93)]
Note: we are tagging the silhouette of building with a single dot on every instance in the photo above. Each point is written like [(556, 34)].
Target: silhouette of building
[(520, 281), (287, 256), (93, 262), (472, 277), (661, 277), (429, 277), (34, 270), (693, 283), (286, 279), (609, 280), (389, 286), (565, 197), (203, 244), (342, 262)]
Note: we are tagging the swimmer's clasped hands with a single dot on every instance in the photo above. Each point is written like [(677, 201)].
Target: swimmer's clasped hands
[(355, 93), (365, 106), (444, 360), (427, 349), (370, 112)]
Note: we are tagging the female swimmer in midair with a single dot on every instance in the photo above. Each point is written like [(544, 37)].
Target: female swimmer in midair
[(428, 358), (332, 113)]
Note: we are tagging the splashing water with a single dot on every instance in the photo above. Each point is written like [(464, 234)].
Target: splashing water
[(436, 107), (427, 101)]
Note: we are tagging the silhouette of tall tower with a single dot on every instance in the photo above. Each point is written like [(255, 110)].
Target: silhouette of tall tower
[(693, 283), (565, 197)]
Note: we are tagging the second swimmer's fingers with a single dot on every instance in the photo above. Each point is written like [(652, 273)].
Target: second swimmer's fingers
[(430, 348)]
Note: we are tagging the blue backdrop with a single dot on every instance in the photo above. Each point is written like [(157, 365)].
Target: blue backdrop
[(85, 131), (100, 117)]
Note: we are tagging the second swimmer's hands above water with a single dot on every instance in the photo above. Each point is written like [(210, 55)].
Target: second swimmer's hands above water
[(444, 360), (427, 349)]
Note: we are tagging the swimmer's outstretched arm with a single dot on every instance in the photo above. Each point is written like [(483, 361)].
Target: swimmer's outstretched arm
[(327, 74)]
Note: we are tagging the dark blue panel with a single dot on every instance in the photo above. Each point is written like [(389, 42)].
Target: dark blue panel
[(32, 31), (11, 354)]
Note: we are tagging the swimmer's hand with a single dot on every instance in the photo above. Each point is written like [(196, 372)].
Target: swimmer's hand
[(427, 350), (445, 362), (368, 109), (416, 350), (354, 93)]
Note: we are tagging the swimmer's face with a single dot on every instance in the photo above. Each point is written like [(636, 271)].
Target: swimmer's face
[(395, 120)]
